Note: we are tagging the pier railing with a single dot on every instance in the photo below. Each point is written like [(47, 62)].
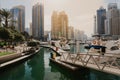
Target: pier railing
[(97, 61)]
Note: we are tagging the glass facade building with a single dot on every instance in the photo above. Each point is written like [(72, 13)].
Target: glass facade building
[(38, 21), (18, 17)]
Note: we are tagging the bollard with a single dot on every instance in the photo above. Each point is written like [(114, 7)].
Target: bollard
[(56, 48), (54, 55), (51, 55)]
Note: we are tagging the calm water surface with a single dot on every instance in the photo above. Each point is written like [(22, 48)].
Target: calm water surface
[(74, 48), (39, 68)]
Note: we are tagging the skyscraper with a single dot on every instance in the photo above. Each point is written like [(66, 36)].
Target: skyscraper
[(18, 17), (113, 16), (101, 16), (59, 23), (63, 23), (38, 21), (54, 25)]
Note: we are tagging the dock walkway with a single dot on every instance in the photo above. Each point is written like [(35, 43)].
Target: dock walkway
[(105, 63), (109, 63)]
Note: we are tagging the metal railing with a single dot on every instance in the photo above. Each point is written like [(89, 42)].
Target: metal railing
[(98, 61)]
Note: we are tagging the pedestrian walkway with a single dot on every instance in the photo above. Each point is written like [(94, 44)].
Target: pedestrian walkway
[(105, 63)]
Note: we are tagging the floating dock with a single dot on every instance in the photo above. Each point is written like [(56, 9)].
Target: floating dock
[(108, 63), (68, 66)]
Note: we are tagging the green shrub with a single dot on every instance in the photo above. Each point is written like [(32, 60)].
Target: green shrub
[(32, 44), (3, 44)]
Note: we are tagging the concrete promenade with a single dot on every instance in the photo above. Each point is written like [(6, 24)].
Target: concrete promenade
[(19, 53)]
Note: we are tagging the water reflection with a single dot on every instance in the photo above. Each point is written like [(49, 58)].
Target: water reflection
[(75, 48), (82, 74), (96, 75), (18, 73), (37, 66), (66, 74), (32, 69)]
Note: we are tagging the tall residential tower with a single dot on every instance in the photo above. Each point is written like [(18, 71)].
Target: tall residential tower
[(18, 17), (113, 16), (101, 16), (59, 23), (38, 21)]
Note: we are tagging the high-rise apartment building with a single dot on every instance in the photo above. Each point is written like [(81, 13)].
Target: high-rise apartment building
[(113, 18), (101, 16), (59, 23), (38, 21), (55, 29), (18, 17)]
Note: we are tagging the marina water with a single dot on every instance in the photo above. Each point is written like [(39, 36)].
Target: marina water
[(40, 68)]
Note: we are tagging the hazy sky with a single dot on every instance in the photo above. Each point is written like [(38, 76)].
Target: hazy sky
[(80, 12)]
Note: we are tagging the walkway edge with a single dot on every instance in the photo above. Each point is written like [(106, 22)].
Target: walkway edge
[(17, 59)]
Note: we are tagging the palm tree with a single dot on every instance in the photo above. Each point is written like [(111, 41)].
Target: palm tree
[(6, 16), (0, 17)]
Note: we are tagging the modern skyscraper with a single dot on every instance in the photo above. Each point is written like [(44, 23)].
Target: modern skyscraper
[(54, 25), (59, 23), (113, 18), (112, 6), (101, 16), (38, 21), (63, 23), (18, 17)]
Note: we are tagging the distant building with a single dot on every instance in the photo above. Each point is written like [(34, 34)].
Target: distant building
[(70, 32), (59, 24), (30, 32), (38, 21), (47, 35), (55, 29), (18, 17), (95, 26), (113, 20), (80, 35), (101, 16), (63, 23)]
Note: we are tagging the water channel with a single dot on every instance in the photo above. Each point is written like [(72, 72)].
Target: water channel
[(40, 68)]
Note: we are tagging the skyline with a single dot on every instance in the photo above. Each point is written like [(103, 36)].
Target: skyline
[(80, 12)]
